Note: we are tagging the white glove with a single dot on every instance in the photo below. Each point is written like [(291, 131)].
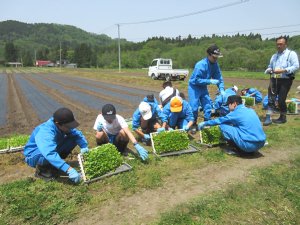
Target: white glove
[(268, 71)]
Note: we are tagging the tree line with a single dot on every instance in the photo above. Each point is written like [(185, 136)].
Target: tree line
[(241, 52)]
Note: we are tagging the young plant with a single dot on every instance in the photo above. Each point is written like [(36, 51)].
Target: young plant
[(292, 107), (170, 141), (17, 141), (3, 143), (212, 135), (249, 101), (101, 160)]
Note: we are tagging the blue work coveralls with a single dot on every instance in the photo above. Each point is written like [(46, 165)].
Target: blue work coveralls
[(220, 101), (156, 113), (179, 119), (254, 93), (197, 88), (243, 127), (47, 144)]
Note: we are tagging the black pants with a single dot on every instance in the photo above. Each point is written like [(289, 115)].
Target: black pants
[(280, 87)]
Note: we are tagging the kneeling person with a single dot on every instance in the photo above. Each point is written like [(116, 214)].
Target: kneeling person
[(112, 128), (241, 126), (51, 142)]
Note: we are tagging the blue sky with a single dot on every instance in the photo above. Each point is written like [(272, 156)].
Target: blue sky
[(271, 18)]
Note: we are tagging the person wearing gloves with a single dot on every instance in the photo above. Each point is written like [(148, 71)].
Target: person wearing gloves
[(241, 127), (220, 101), (179, 114), (167, 93), (282, 68), (252, 92), (112, 128), (147, 117), (206, 72), (51, 142)]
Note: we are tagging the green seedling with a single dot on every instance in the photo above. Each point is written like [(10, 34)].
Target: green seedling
[(170, 141), (249, 101), (101, 160), (212, 135), (17, 141), (292, 107)]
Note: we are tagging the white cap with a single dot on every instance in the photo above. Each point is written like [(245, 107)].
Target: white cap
[(145, 110), (235, 88), (164, 94), (298, 90)]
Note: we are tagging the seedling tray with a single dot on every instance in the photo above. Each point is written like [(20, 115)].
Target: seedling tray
[(12, 149), (245, 100), (210, 145), (123, 168), (295, 108), (191, 148)]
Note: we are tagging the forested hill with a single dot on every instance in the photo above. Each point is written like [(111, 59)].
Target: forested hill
[(25, 42), (48, 34)]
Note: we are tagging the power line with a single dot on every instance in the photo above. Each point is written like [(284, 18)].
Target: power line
[(188, 14)]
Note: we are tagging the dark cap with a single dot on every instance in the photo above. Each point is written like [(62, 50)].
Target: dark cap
[(109, 112), (215, 51), (64, 116), (234, 98)]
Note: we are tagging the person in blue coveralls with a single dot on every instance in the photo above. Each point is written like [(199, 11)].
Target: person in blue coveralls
[(206, 72), (51, 142), (179, 114), (147, 118), (112, 128), (252, 92), (241, 127), (220, 102), (265, 103)]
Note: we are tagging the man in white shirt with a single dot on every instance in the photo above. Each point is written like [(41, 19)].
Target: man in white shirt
[(112, 128), (167, 93)]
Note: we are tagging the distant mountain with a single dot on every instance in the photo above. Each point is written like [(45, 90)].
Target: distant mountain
[(49, 35)]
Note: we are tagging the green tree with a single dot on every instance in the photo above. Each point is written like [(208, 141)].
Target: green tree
[(10, 52)]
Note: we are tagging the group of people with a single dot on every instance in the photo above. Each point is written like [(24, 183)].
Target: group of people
[(51, 142)]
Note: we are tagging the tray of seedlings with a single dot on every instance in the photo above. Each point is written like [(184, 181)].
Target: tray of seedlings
[(292, 108), (171, 143), (101, 162), (248, 100), (211, 136), (13, 144)]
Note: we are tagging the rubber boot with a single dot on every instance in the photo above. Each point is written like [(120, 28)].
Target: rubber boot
[(281, 119), (268, 120), (44, 172)]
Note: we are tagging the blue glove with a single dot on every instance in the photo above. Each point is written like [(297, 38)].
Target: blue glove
[(186, 128), (74, 175), (161, 129), (147, 137), (294, 100), (171, 129), (142, 152), (99, 126), (214, 81), (201, 125), (84, 150)]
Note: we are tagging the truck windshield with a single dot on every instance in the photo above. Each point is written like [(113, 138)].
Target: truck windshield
[(154, 63)]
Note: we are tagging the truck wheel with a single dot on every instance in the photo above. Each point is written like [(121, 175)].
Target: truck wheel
[(168, 78), (153, 76)]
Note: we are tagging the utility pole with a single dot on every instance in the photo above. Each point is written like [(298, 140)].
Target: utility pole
[(35, 58), (119, 47), (60, 54)]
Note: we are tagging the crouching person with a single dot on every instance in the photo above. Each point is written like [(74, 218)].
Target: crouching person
[(241, 127), (112, 128), (51, 142)]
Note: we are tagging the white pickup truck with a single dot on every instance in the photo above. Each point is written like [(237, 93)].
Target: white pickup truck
[(162, 69)]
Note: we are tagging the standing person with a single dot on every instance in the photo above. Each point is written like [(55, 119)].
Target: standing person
[(206, 72), (241, 126), (112, 128), (167, 93), (51, 142), (282, 68), (252, 92), (179, 114), (220, 102), (147, 117)]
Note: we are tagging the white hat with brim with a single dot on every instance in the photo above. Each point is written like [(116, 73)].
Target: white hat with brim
[(145, 110)]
